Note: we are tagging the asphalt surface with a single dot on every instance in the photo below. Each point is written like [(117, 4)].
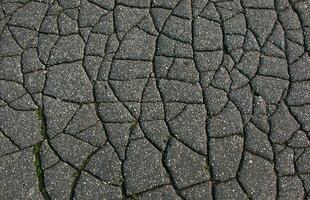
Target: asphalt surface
[(155, 99)]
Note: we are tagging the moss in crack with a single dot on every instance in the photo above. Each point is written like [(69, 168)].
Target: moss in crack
[(133, 126), (41, 118), (78, 173), (39, 171), (254, 93), (40, 114)]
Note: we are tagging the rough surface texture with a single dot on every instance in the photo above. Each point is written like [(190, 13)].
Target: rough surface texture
[(155, 99)]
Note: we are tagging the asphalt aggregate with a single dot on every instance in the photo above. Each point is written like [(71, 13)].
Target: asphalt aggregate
[(154, 99)]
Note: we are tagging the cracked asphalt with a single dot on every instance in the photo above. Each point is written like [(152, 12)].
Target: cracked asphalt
[(155, 99)]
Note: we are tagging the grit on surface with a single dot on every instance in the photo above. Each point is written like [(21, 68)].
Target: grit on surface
[(155, 99)]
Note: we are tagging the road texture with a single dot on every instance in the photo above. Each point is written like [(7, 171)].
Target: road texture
[(155, 99)]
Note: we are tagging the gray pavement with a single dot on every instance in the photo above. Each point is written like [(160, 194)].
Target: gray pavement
[(155, 99)]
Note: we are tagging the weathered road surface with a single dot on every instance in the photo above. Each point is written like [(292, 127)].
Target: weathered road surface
[(155, 99)]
